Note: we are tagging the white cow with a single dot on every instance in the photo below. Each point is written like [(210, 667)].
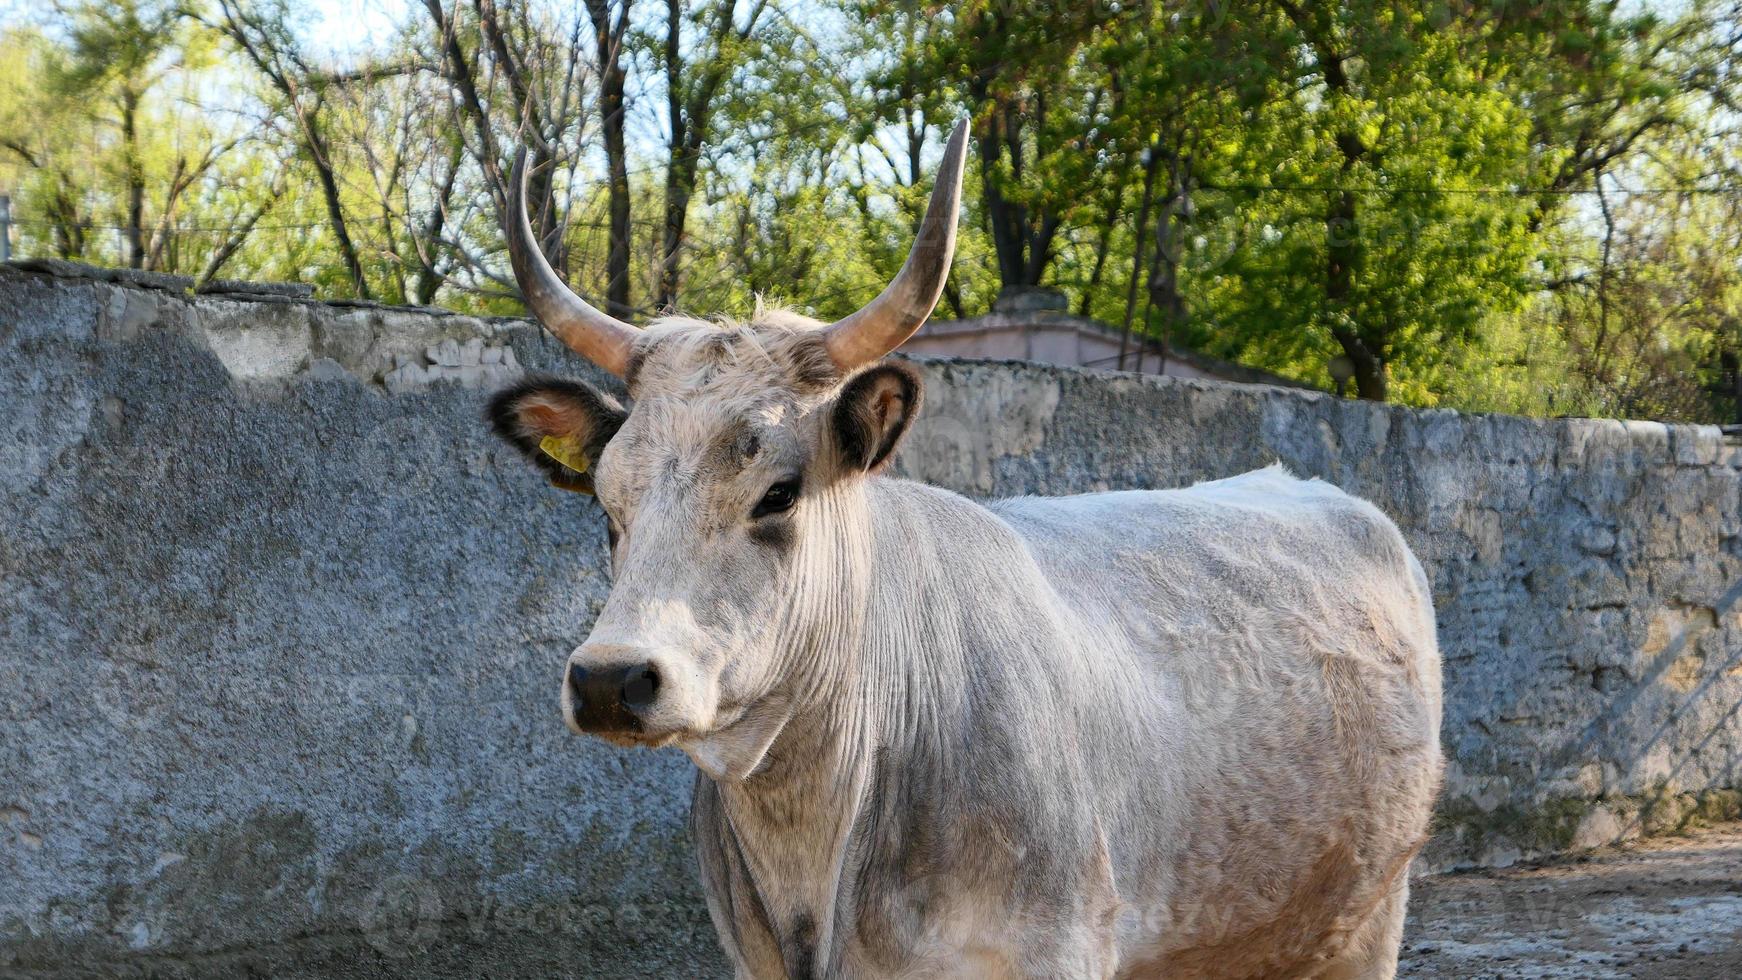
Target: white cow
[(1189, 733)]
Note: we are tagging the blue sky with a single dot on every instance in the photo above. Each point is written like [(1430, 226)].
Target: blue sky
[(336, 27), (348, 27)]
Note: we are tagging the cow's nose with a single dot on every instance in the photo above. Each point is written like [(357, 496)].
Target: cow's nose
[(612, 698)]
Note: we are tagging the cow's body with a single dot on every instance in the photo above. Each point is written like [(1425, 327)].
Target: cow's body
[(1188, 733), (1177, 733)]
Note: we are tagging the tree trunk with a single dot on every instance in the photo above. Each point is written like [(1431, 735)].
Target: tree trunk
[(613, 78), (460, 70), (689, 104), (541, 180), (69, 228), (1150, 165), (1364, 347), (315, 142), (679, 185), (1022, 240), (680, 180), (135, 230), (260, 47), (1363, 343), (429, 277), (1006, 217), (1164, 291), (1103, 241)]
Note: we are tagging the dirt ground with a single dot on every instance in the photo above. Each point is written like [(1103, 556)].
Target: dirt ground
[(1668, 908)]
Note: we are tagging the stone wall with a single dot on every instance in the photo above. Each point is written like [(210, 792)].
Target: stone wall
[(280, 628), (1052, 336)]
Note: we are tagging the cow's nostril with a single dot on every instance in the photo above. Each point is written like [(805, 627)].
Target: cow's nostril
[(640, 686), (610, 698)]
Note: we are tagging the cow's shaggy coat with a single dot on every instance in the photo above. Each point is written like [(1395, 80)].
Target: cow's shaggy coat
[(1184, 733)]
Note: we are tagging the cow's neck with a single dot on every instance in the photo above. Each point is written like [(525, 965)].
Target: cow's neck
[(792, 821), (884, 709), (794, 815)]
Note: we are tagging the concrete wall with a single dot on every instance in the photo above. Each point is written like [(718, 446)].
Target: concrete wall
[(1051, 336), (280, 646)]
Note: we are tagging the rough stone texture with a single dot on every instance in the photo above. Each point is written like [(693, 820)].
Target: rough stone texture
[(280, 630)]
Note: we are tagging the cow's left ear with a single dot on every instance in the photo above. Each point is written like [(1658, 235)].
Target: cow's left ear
[(561, 426), (873, 412)]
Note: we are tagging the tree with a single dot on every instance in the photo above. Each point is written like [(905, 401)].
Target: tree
[(1036, 102), (46, 136), (119, 52), (1355, 217), (609, 35), (403, 164), (517, 73), (264, 38), (697, 64), (897, 112), (1523, 207)]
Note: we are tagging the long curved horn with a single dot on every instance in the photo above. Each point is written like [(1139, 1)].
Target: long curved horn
[(905, 303), (598, 337)]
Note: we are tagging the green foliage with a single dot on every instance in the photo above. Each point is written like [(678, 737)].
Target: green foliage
[(1410, 187), (1436, 253)]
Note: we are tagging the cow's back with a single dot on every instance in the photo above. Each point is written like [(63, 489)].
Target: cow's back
[(1278, 636)]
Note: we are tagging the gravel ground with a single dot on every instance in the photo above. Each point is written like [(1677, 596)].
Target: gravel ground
[(1667, 908)]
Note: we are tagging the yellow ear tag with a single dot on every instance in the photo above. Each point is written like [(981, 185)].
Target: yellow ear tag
[(565, 450)]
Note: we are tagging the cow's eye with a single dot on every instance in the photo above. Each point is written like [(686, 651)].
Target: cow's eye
[(779, 497)]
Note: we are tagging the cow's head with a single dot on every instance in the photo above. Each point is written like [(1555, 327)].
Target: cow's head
[(734, 487)]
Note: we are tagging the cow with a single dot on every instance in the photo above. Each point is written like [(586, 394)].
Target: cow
[(1178, 733)]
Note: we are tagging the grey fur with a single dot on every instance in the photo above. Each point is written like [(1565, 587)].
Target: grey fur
[(1181, 733)]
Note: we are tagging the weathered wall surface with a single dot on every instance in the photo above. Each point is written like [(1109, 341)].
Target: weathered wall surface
[(280, 630)]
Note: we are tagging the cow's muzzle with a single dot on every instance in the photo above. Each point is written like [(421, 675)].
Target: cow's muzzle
[(611, 700)]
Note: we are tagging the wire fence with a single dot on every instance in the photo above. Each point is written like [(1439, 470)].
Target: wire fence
[(1301, 189), (480, 268), (711, 263)]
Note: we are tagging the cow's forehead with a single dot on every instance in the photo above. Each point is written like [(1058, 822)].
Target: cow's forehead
[(708, 398), (774, 357)]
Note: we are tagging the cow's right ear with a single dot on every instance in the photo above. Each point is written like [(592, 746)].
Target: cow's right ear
[(561, 426)]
